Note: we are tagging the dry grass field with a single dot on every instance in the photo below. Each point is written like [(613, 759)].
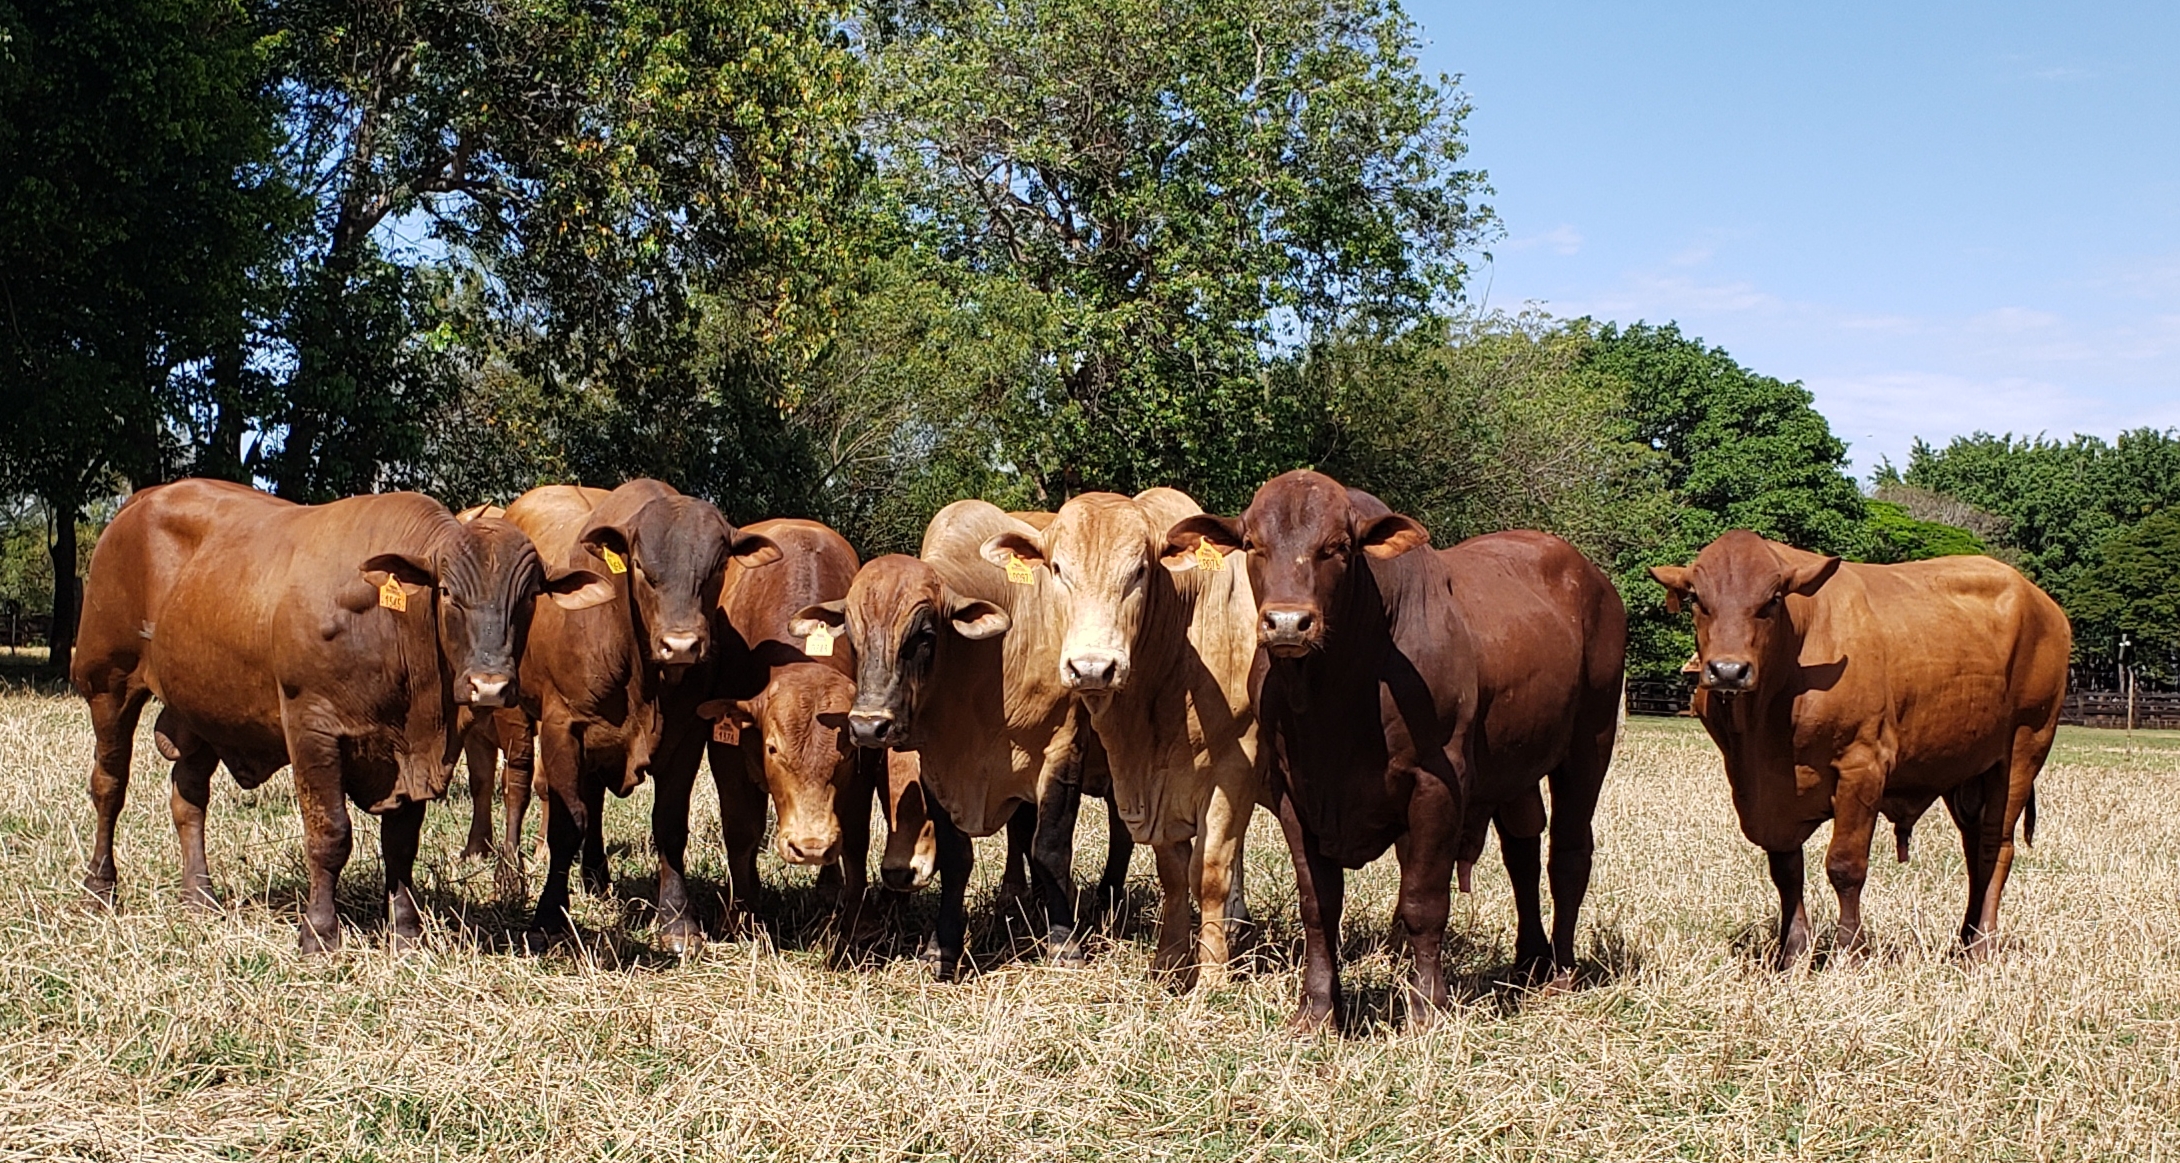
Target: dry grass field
[(156, 1033)]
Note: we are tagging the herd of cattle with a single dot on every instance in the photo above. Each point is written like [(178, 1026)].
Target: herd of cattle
[(1314, 656)]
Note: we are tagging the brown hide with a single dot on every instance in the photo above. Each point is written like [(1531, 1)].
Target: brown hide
[(1845, 691), (1406, 694), (269, 632)]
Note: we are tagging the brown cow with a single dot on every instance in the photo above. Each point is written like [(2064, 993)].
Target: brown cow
[(485, 734), (606, 687), (337, 638), (790, 737), (1844, 692), (975, 691), (1161, 658), (1405, 695)]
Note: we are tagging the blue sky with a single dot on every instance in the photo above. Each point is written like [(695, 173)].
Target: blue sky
[(1939, 217)]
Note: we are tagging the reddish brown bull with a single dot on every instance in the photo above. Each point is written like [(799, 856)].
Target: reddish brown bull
[(1846, 692), (606, 686), (1406, 695), (337, 638)]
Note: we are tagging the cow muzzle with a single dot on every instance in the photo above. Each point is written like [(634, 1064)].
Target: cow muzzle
[(680, 649), (486, 689), (1091, 671), (1289, 631), (873, 728), (816, 848), (1728, 676)]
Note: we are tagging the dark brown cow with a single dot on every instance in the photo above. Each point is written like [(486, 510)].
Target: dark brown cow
[(605, 685), (486, 733), (1845, 692), (337, 638), (1405, 695), (790, 738)]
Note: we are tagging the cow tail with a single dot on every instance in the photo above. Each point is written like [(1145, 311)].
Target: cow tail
[(2028, 825)]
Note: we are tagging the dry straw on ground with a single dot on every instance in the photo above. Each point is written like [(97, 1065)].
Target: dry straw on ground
[(155, 1033)]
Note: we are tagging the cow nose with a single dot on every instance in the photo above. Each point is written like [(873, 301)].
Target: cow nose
[(677, 649), (870, 728), (1721, 674), (898, 877), (489, 690), (1092, 671), (1286, 628), (805, 850)]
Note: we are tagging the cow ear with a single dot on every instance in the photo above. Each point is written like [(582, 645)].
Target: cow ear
[(600, 535), (579, 589), (735, 709), (1392, 535), (827, 616), (977, 619), (1007, 546), (1809, 578), (1677, 580), (1189, 534), (753, 549), (408, 568)]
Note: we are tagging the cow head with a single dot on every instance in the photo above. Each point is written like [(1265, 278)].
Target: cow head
[(674, 550), (1738, 589), (912, 844), (802, 718), (482, 580), (896, 613), (1099, 551), (1301, 532)]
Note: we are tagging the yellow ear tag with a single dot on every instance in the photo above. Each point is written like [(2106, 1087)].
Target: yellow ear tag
[(392, 596), (1209, 557), (1018, 571), (726, 730), (819, 644), (613, 560)]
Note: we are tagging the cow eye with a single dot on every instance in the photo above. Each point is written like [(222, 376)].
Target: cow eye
[(1772, 607)]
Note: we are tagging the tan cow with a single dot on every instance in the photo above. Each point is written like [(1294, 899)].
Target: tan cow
[(1844, 692), (1161, 657)]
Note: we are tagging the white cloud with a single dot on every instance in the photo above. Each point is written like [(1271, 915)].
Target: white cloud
[(1561, 239)]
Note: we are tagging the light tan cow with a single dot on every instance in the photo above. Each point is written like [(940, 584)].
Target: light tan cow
[(1161, 658)]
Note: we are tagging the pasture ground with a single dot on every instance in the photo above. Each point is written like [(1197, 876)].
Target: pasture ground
[(157, 1033)]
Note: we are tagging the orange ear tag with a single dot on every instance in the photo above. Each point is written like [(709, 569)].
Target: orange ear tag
[(726, 730), (1209, 557), (1018, 571), (392, 596), (819, 644), (613, 560)]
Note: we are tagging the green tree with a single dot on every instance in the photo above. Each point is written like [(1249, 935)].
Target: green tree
[(1893, 534), (2133, 588), (137, 196), (1187, 184)]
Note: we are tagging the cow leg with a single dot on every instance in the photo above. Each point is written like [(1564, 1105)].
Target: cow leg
[(1052, 869), (677, 926), (515, 790), (113, 722), (2030, 747), (1521, 826), (191, 795), (1847, 857), (597, 871), (1217, 870), (1321, 885), (1426, 891), (327, 834), (1575, 788), (852, 807), (566, 819), (1176, 953), (737, 778), (399, 834), (1786, 876), (1018, 880), (956, 859), (482, 755)]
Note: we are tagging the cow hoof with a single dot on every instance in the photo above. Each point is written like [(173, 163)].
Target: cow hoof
[(402, 943), (98, 894), (199, 900), (1560, 982), (944, 965), (476, 850), (540, 941), (313, 943), (511, 884), (597, 882), (1070, 957), (685, 941), (1310, 1020)]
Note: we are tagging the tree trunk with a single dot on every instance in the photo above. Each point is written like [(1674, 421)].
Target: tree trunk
[(66, 594)]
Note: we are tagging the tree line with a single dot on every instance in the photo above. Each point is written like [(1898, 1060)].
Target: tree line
[(851, 263)]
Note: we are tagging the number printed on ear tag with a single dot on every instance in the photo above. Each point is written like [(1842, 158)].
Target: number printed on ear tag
[(392, 596), (726, 730), (1209, 557), (1019, 572), (614, 561), (819, 644)]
